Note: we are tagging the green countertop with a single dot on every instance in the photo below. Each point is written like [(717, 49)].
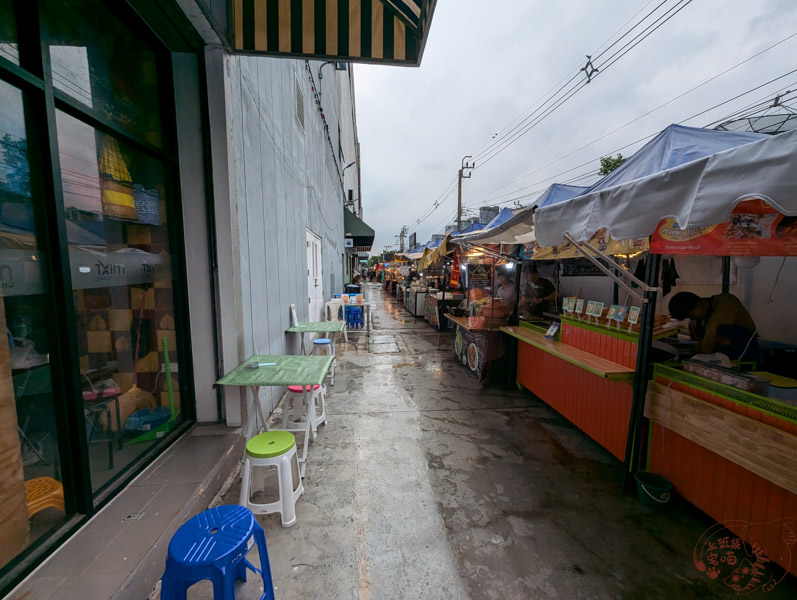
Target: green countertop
[(318, 327), (288, 370)]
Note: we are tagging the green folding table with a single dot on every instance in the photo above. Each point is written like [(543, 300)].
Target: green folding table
[(279, 371), (319, 327)]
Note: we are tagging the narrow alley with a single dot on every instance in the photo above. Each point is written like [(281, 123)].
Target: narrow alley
[(424, 484)]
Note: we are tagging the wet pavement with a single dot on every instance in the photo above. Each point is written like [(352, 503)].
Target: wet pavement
[(424, 484)]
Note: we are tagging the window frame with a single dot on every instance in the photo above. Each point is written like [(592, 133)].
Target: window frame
[(42, 101)]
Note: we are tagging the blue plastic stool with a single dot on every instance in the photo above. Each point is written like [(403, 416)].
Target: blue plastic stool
[(213, 545), (354, 317)]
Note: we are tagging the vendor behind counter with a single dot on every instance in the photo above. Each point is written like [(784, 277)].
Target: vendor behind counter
[(538, 295), (720, 323)]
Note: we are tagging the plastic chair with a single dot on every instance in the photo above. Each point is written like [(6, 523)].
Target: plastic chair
[(43, 492), (213, 545)]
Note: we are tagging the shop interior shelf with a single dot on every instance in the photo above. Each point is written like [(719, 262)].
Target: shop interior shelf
[(594, 364)]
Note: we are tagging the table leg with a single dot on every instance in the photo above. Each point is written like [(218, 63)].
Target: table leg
[(119, 432), (308, 429), (259, 409)]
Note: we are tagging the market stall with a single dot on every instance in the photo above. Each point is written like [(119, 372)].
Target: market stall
[(720, 435), (486, 307)]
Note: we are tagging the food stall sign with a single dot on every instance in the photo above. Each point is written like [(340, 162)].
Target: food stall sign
[(753, 229)]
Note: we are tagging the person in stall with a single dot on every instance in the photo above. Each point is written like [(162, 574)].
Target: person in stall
[(540, 293), (720, 323), (506, 288)]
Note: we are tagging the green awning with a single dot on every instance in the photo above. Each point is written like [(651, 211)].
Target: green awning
[(354, 228), (372, 31)]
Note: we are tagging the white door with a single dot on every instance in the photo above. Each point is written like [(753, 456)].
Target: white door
[(315, 277)]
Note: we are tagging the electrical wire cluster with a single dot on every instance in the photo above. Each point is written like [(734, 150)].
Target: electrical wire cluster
[(623, 41), (783, 98)]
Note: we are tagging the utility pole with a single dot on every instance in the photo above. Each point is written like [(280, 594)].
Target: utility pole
[(401, 237), (465, 171)]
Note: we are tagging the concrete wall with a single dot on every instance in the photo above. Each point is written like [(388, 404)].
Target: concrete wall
[(282, 180)]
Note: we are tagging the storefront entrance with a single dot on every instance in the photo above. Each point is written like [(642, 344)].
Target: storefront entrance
[(89, 281), (315, 277)]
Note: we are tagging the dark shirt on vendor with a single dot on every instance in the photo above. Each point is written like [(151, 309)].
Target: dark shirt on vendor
[(542, 289)]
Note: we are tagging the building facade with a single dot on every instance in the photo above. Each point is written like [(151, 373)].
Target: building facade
[(164, 201)]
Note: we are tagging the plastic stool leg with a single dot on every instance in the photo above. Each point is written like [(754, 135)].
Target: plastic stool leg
[(288, 512), (173, 588), (224, 584), (243, 499), (265, 565)]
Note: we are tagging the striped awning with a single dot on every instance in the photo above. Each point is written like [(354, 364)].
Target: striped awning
[(372, 31)]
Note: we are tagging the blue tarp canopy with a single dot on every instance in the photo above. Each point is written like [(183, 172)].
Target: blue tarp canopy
[(501, 217), (516, 226), (559, 192), (676, 145)]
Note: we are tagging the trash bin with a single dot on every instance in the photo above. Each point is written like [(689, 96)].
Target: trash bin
[(653, 490), (352, 288)]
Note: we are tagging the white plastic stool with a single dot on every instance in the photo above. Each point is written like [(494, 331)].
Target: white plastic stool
[(273, 449), (295, 408), (327, 345)]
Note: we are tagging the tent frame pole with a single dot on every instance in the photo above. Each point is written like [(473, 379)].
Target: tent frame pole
[(594, 255), (633, 448), (726, 274)]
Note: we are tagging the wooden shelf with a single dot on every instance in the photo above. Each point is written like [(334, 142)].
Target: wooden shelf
[(463, 322), (594, 364), (760, 448)]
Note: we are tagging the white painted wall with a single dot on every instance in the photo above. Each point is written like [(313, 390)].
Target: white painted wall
[(282, 181)]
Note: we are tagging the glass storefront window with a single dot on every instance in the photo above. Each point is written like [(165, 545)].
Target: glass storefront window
[(8, 33), (101, 63), (31, 494), (117, 208)]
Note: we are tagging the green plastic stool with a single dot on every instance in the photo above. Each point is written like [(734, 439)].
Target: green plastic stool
[(273, 449)]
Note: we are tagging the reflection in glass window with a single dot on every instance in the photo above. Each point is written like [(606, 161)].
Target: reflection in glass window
[(116, 206), (9, 49), (31, 494), (102, 64)]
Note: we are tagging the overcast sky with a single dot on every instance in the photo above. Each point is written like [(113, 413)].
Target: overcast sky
[(487, 63)]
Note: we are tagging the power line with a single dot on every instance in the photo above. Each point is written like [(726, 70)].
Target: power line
[(679, 96), (512, 136), (548, 96), (757, 103)]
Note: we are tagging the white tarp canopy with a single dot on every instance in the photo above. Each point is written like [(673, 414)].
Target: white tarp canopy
[(513, 231), (702, 192), (519, 228)]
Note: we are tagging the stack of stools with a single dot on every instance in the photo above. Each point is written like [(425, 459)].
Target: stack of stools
[(272, 449), (295, 408), (213, 545), (354, 317)]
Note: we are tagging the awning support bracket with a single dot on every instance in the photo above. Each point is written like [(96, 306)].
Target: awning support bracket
[(587, 250), (489, 252)]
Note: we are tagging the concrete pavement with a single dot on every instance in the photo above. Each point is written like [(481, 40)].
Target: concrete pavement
[(425, 484)]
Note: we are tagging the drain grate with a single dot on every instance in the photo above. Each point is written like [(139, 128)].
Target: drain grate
[(133, 517)]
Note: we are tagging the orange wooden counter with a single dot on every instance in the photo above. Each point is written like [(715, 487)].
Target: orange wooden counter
[(588, 388), (730, 453)]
